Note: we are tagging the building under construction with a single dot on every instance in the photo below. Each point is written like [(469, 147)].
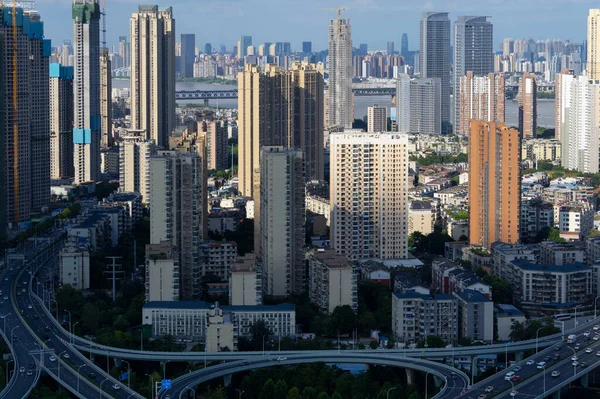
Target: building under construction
[(24, 117)]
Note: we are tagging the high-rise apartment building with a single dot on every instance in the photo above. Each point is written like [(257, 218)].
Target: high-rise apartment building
[(281, 221), (593, 44), (418, 105), (528, 105), (61, 121), (508, 46), (216, 143), (279, 108), (125, 51), (340, 105), (580, 118), (188, 54), (494, 183), (307, 47), (86, 90), (377, 119), (134, 164), (434, 57), (107, 139), (25, 125), (473, 51), (481, 98), (369, 195), (178, 197), (562, 98), (153, 72)]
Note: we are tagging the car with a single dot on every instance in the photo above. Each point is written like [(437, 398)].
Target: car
[(541, 365), (66, 356), (24, 282), (555, 373), (5, 278), (21, 369), (281, 358), (547, 359), (245, 363), (583, 364), (5, 297), (596, 337), (29, 373), (509, 375), (116, 386), (46, 328), (556, 356), (517, 368), (513, 393), (597, 327), (589, 350), (575, 363), (482, 396), (18, 294), (516, 378), (29, 307), (577, 347), (530, 362), (16, 339), (454, 375), (489, 389), (52, 358), (574, 358), (92, 375), (586, 334)]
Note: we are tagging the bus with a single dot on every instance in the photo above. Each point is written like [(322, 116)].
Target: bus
[(563, 316)]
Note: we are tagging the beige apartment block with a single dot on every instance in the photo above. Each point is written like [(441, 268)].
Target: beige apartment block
[(528, 105), (481, 98)]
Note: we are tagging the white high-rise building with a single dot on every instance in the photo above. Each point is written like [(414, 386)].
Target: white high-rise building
[(61, 121), (282, 233), (593, 44), (134, 165), (418, 105), (340, 106), (153, 73), (86, 90), (377, 119), (369, 195), (580, 110)]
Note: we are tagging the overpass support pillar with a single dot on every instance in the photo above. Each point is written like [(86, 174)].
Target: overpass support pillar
[(410, 376), (437, 381), (519, 356), (474, 367), (584, 380), (206, 102), (556, 395), (227, 380)]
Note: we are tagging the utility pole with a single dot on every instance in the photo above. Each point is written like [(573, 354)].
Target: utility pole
[(114, 274)]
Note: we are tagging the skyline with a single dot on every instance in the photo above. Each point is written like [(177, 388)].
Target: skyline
[(310, 19)]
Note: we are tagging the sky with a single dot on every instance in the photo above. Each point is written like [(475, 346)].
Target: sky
[(374, 22)]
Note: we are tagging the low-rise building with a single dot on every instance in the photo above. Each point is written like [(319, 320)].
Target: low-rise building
[(575, 221), (416, 316), (245, 286), (503, 253), (219, 331), (506, 316), (540, 150), (74, 266), (554, 253), (189, 319), (421, 217), (331, 280), (218, 257), (592, 253), (536, 214), (475, 315), (162, 273), (220, 221)]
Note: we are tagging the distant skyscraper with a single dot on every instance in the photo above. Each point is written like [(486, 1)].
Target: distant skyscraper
[(87, 124), (562, 96), (61, 121), (369, 195), (481, 98), (434, 58), (208, 48), (307, 47), (528, 105), (153, 73), (282, 235), (377, 119), (243, 44), (593, 44), (363, 48), (508, 46), (390, 48), (188, 54), (404, 49), (25, 129), (580, 116), (418, 105), (494, 183), (125, 51), (340, 107), (473, 51)]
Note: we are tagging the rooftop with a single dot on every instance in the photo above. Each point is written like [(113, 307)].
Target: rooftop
[(504, 310), (416, 295), (472, 296), (331, 258), (201, 305), (569, 268)]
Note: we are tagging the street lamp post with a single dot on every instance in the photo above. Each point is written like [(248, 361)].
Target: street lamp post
[(152, 384), (240, 392), (165, 369), (70, 319), (574, 365), (506, 356), (58, 363), (79, 376), (73, 332), (512, 384), (536, 338), (41, 351), (578, 306), (426, 385), (387, 395), (101, 387), (544, 379), (9, 360), (128, 373)]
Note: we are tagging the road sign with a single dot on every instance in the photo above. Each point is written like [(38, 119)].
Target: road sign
[(123, 377), (165, 384)]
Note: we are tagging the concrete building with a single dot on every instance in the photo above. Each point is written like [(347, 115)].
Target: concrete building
[(527, 99), (332, 281), (189, 319), (217, 148), (340, 103), (74, 267), (593, 44), (474, 53), (162, 272), (475, 315), (494, 183), (561, 99), (86, 90), (281, 236), (536, 214), (106, 111), (506, 316), (61, 121), (592, 253), (502, 254), (416, 316), (242, 46), (219, 331), (580, 115), (575, 221), (179, 208), (418, 105), (377, 119), (25, 129), (478, 97), (188, 54), (152, 33), (134, 165), (541, 150), (421, 217), (218, 258), (434, 57), (552, 253), (369, 195), (245, 282)]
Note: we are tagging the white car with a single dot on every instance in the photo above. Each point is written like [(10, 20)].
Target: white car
[(281, 358), (530, 362), (589, 350), (586, 334), (574, 358), (513, 393), (555, 373), (116, 387), (52, 358), (489, 389), (597, 327), (66, 356), (596, 337), (29, 307)]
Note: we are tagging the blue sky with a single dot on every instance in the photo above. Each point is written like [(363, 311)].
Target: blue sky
[(373, 21)]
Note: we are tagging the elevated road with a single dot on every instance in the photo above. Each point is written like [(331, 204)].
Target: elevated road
[(231, 94)]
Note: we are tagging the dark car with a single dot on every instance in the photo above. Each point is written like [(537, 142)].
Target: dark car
[(516, 378), (547, 359), (556, 356), (583, 364)]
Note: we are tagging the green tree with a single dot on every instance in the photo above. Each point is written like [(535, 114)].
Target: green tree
[(336, 396), (267, 390), (554, 235), (414, 395), (294, 393), (68, 298), (517, 331), (309, 393), (323, 395), (373, 344), (220, 393), (433, 341), (281, 389), (344, 319), (502, 291), (259, 331), (415, 240)]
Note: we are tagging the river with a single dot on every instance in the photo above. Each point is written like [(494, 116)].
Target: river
[(545, 107)]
